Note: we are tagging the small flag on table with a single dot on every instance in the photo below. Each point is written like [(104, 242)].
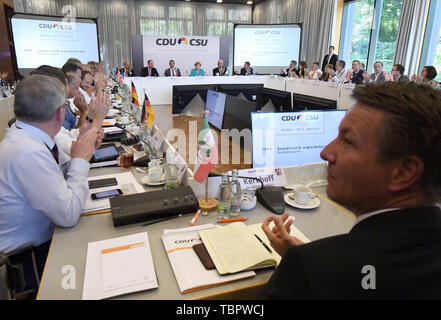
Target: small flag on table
[(134, 96), (147, 114), (207, 155)]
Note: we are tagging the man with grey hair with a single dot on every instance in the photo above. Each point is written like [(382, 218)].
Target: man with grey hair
[(387, 172), (221, 70), (39, 187)]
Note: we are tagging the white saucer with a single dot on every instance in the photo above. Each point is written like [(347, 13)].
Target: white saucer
[(313, 203), (146, 180)]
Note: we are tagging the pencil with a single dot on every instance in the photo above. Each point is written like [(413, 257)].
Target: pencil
[(195, 218), (232, 219)]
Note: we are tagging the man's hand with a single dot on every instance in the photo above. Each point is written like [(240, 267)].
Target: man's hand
[(80, 102), (4, 75), (99, 138), (366, 77), (279, 237), (100, 106), (84, 147)]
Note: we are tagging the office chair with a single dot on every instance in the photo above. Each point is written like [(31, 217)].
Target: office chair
[(5, 281)]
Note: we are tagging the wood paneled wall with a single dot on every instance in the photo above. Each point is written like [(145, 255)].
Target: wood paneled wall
[(6, 61)]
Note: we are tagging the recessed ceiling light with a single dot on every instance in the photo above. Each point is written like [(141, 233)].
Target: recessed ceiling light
[(250, 2), (219, 1)]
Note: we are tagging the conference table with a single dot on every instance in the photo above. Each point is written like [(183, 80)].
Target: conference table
[(69, 248), (160, 89), (69, 245)]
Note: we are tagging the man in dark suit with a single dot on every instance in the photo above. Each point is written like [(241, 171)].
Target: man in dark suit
[(220, 70), (398, 73), (246, 70), (356, 74), (378, 75), (386, 170), (292, 69), (149, 71), (330, 58), (172, 71)]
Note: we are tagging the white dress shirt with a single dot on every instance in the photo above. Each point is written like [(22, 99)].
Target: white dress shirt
[(340, 77), (87, 97), (64, 139), (35, 192)]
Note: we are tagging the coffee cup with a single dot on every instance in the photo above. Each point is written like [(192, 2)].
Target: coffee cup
[(303, 194)]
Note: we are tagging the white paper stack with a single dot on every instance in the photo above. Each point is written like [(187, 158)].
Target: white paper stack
[(118, 266)]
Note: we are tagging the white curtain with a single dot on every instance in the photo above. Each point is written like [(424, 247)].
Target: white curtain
[(119, 20), (316, 15), (411, 34)]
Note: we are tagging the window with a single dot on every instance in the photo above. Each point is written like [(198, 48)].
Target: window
[(387, 38), (364, 12), (369, 32), (437, 63), (431, 53)]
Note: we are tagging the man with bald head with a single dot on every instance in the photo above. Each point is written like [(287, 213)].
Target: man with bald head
[(221, 70)]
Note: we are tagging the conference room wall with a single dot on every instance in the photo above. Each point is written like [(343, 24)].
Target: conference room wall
[(317, 17), (118, 21)]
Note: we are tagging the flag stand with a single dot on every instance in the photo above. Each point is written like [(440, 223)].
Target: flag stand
[(207, 204)]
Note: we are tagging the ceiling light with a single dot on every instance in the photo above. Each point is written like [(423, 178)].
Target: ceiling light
[(250, 2), (219, 1)]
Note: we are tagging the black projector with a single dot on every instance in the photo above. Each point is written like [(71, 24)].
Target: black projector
[(153, 205)]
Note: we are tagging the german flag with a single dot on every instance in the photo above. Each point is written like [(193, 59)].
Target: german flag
[(147, 114), (134, 96)]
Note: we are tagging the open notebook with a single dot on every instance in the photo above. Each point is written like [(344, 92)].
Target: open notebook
[(238, 247), (189, 271)]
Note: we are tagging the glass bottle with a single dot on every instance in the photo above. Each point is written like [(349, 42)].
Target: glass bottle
[(171, 171), (236, 195), (224, 198)]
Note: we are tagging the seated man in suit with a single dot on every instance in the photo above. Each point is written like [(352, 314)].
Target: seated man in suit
[(397, 73), (356, 74), (292, 69), (377, 76), (330, 58), (220, 70), (246, 70), (40, 188), (149, 71), (126, 70), (386, 171), (172, 71)]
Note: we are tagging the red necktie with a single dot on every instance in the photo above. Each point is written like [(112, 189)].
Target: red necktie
[(54, 152)]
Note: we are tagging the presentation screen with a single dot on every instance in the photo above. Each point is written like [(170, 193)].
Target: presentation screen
[(216, 105), (292, 138), (268, 48), (48, 40)]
